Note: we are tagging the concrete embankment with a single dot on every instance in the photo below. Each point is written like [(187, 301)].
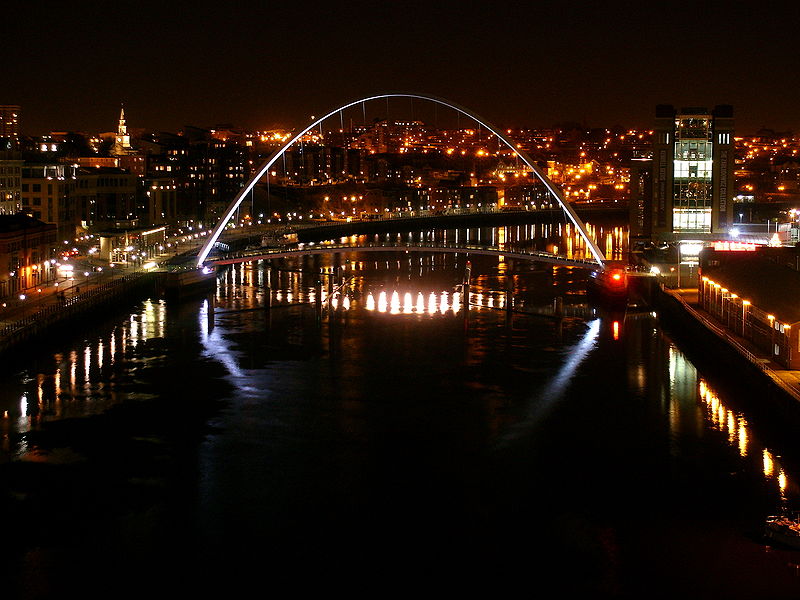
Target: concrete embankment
[(49, 320), (706, 341)]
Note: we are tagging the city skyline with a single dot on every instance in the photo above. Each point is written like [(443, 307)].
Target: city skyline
[(526, 66)]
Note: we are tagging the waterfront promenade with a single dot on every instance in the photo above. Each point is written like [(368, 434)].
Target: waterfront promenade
[(786, 379)]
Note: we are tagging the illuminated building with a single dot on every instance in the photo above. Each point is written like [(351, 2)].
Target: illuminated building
[(751, 290), (9, 123), (47, 190), (10, 183), (693, 166), (106, 197), (122, 141), (26, 245), (161, 200)]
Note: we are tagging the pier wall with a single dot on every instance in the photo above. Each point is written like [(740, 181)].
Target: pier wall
[(709, 342)]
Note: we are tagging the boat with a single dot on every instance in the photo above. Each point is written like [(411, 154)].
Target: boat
[(784, 530)]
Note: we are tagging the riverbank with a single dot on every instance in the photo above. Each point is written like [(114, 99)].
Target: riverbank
[(681, 313), (61, 311)]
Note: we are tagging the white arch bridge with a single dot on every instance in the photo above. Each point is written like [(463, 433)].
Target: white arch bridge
[(326, 248), (230, 211)]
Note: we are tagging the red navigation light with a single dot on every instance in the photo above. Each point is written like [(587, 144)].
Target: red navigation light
[(617, 277)]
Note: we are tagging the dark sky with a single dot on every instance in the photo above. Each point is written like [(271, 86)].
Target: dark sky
[(261, 64)]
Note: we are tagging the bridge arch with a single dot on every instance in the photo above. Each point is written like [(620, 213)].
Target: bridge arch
[(551, 187)]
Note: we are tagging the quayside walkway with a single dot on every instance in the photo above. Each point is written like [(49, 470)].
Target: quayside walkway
[(786, 379), (23, 322)]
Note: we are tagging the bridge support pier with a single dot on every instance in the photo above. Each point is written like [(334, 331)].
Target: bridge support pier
[(509, 294), (210, 312), (267, 298), (318, 299), (465, 290), (558, 307)]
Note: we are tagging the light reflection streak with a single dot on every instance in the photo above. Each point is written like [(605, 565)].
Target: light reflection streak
[(73, 360), (23, 423), (214, 343), (87, 362), (395, 305), (57, 384), (544, 401), (769, 463)]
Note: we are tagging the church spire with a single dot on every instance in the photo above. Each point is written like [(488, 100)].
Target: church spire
[(122, 143), (123, 130)]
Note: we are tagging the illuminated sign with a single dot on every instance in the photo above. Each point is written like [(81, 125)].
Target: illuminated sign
[(734, 246)]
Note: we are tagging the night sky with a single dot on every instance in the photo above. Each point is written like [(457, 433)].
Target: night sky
[(265, 64)]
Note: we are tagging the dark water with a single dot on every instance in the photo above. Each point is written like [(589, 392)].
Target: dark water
[(388, 449)]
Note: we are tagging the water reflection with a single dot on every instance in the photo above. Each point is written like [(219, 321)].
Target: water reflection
[(613, 241), (739, 436), (75, 382), (438, 303)]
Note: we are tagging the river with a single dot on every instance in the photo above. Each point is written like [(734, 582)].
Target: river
[(389, 447)]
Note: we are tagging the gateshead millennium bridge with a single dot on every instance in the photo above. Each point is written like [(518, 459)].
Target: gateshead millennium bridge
[(594, 250)]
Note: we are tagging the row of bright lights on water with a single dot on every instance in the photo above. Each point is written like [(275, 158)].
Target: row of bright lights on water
[(419, 303)]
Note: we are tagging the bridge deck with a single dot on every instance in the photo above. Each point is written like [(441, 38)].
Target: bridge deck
[(311, 248)]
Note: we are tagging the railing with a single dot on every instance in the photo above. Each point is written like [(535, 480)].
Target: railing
[(312, 248), (722, 333), (415, 214), (48, 315)]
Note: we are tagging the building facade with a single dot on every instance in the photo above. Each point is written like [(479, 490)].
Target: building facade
[(693, 166), (10, 182), (27, 253), (752, 291), (105, 197), (9, 123), (47, 191)]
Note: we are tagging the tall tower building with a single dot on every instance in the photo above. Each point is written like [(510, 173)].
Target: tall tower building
[(693, 166), (122, 142), (9, 122)]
